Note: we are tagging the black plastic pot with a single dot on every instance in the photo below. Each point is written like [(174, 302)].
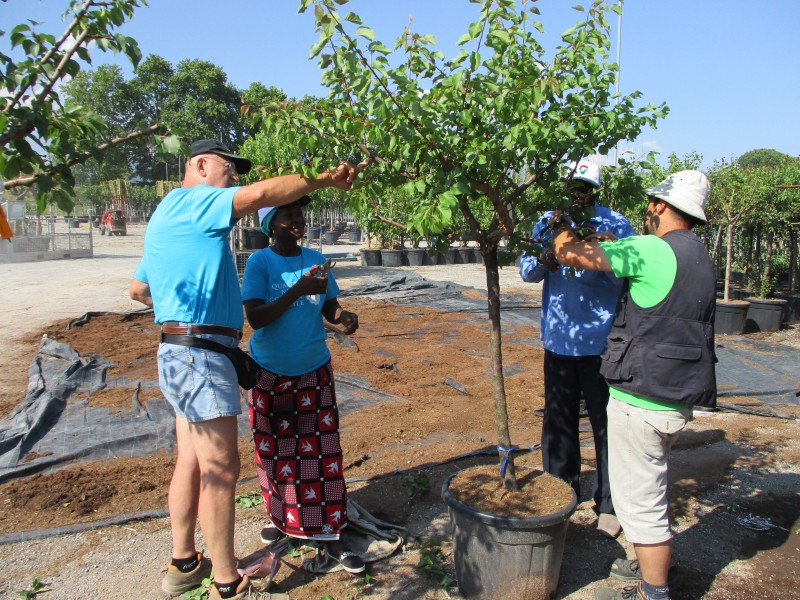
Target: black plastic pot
[(330, 237), (354, 235), (370, 257), (506, 557), (792, 312), (392, 258), (430, 257), (464, 256), (254, 239), (450, 256), (764, 314), (729, 317), (415, 257)]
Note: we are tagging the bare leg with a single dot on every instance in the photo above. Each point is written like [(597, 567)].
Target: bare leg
[(184, 491), (654, 562), (215, 444)]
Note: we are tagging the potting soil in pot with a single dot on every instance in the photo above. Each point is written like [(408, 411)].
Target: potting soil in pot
[(539, 493)]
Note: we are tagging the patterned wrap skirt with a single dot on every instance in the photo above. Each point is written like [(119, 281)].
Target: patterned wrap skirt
[(295, 426)]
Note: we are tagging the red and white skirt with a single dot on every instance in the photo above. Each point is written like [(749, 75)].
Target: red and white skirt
[(295, 426)]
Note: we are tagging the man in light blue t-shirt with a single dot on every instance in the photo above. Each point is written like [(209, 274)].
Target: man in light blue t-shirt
[(188, 276)]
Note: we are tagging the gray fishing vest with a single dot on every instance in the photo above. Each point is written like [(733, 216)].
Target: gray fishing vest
[(666, 352)]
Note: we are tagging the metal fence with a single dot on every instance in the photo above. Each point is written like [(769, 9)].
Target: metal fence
[(49, 246)]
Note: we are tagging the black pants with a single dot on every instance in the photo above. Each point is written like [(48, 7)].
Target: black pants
[(566, 379)]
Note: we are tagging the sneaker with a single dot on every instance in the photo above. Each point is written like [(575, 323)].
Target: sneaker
[(626, 570), (246, 591), (350, 561), (608, 525), (271, 534), (633, 592), (176, 582)]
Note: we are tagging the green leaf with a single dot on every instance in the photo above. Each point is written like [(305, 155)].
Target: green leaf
[(378, 47), (353, 18), (500, 36), (366, 32), (475, 29), (317, 48), (474, 60)]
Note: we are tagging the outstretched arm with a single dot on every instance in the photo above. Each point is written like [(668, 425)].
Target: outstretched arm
[(284, 189), (574, 252)]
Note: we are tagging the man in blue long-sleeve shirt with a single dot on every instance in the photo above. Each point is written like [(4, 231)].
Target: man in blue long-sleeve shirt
[(577, 311)]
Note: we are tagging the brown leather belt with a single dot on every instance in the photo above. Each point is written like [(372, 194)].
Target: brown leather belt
[(173, 328)]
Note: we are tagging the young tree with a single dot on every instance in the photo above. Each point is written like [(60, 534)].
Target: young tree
[(735, 196), (485, 132), (42, 139)]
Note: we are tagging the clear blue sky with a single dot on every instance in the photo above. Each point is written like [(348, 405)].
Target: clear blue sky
[(726, 68)]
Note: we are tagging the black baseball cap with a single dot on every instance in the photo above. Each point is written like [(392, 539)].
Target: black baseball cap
[(243, 165)]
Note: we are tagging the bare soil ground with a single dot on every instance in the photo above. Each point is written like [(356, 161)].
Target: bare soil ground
[(734, 478)]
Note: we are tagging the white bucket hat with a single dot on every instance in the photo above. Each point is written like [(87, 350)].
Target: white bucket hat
[(686, 191)]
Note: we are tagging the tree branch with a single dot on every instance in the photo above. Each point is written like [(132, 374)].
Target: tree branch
[(29, 180)]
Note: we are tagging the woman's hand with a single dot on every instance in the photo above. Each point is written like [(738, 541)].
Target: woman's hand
[(349, 322), (310, 285)]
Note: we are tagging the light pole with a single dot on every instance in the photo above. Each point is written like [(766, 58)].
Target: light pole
[(619, 72)]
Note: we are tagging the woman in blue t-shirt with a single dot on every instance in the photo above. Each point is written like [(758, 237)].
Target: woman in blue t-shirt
[(293, 411)]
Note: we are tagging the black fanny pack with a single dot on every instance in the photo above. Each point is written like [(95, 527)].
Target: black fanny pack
[(246, 368)]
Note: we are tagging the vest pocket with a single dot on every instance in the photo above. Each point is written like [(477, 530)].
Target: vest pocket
[(613, 367), (673, 366), (679, 351)]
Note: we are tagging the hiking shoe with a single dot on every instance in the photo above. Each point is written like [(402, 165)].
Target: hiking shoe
[(350, 561), (608, 525), (633, 592), (271, 534), (246, 591), (626, 570), (176, 583)]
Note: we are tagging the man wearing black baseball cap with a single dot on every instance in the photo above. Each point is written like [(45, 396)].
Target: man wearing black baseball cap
[(243, 165), (188, 276)]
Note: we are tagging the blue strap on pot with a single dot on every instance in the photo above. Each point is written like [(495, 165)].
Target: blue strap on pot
[(506, 453)]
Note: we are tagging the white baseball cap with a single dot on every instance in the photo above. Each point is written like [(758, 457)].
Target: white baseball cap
[(586, 171), (686, 191)]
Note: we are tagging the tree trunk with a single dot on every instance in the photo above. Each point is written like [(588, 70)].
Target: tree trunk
[(496, 353), (767, 274), (726, 294), (715, 257), (794, 268)]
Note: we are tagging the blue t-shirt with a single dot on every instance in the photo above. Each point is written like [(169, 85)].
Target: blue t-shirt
[(187, 260), (294, 343), (577, 310)]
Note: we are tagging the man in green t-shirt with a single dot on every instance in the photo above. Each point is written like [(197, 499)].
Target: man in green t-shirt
[(658, 362)]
